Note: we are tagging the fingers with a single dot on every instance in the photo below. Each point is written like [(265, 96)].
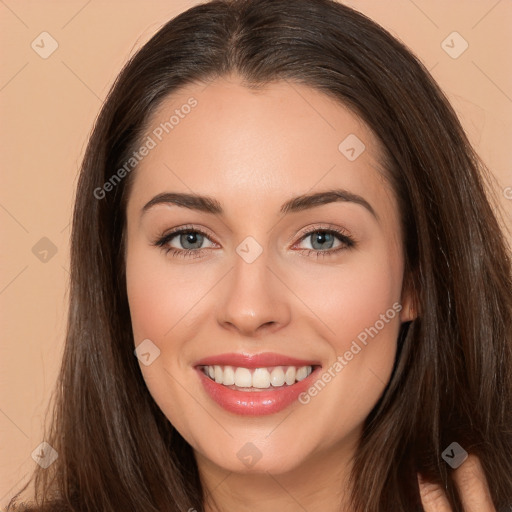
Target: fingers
[(471, 485), (433, 497)]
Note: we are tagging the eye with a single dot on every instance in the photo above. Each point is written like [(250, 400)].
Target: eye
[(191, 241), (188, 237), (322, 241)]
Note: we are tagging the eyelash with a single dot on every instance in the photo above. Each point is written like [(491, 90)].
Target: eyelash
[(347, 241)]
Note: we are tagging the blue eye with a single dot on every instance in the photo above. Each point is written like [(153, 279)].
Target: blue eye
[(192, 236), (322, 241), (326, 238), (191, 239)]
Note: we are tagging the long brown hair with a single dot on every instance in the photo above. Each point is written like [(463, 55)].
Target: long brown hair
[(452, 379)]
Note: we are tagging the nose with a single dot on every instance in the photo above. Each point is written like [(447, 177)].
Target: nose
[(254, 298)]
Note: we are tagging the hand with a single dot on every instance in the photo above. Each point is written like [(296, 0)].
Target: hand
[(471, 484)]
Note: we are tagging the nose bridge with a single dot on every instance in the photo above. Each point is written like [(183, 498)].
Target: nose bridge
[(254, 296)]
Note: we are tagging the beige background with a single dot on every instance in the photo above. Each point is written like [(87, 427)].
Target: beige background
[(47, 109)]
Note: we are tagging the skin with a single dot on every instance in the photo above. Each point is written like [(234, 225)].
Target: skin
[(472, 487), (286, 301)]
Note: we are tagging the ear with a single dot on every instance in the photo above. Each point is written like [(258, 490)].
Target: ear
[(409, 301)]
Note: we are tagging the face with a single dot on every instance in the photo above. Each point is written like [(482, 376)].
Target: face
[(267, 318)]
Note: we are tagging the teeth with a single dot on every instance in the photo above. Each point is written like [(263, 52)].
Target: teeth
[(289, 376), (261, 378), (302, 373), (243, 378), (277, 377), (229, 376)]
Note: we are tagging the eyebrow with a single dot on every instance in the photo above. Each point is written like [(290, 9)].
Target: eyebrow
[(210, 205)]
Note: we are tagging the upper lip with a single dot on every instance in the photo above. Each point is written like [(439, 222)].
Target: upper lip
[(255, 360)]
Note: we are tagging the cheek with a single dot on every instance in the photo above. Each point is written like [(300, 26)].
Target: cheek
[(360, 306), (159, 294), (159, 301), (353, 296), (149, 299)]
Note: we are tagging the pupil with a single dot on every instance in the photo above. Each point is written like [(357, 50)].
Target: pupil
[(191, 238), (322, 238)]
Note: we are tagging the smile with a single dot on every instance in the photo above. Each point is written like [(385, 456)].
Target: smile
[(247, 379), (255, 385)]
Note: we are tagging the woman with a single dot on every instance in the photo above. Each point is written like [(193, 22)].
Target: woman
[(369, 375)]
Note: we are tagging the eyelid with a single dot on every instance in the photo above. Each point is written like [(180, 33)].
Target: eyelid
[(340, 232), (313, 228), (171, 233)]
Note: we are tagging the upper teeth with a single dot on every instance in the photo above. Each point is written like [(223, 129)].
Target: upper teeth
[(257, 377)]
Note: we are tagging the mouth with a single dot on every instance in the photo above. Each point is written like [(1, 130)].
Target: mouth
[(257, 379), (251, 385)]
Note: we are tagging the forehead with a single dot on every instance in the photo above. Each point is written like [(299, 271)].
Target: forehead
[(252, 146)]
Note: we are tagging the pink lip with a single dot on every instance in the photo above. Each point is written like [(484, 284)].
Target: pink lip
[(254, 360), (255, 403)]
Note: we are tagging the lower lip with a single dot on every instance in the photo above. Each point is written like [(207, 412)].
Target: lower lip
[(255, 403)]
